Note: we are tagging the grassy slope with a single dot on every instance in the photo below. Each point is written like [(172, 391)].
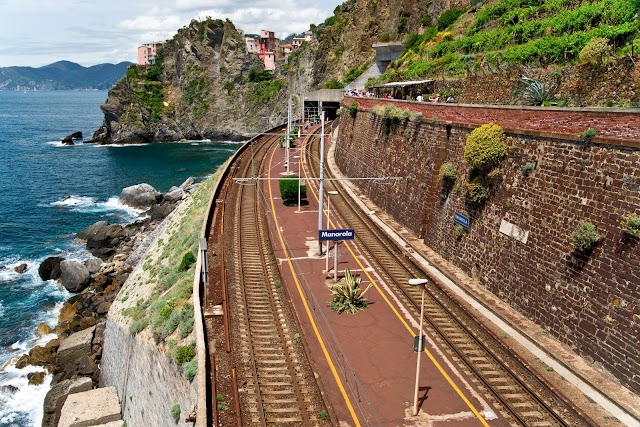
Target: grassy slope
[(158, 294), (534, 33)]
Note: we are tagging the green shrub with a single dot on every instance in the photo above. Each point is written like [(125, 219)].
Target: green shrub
[(448, 17), (190, 369), (458, 231), (448, 172), (186, 326), (185, 353), (585, 237), (596, 51), (175, 413), (259, 76), (478, 191), (265, 90), (138, 326), (333, 84), (588, 134), (485, 147), (289, 190), (631, 224), (187, 260), (323, 415), (353, 109)]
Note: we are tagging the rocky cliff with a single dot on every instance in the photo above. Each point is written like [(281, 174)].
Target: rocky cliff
[(203, 86)]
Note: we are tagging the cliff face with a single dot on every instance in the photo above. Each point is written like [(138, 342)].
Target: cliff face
[(344, 42), (200, 88)]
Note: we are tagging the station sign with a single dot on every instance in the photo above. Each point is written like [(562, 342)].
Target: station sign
[(347, 234), (461, 219)]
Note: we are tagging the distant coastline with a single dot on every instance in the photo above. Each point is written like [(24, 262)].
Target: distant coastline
[(62, 75)]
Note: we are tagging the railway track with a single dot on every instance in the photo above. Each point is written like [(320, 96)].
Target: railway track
[(521, 397), (273, 382)]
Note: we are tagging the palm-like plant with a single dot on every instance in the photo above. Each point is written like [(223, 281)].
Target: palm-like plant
[(535, 92), (348, 295)]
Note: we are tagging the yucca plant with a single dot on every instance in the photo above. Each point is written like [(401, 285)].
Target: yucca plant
[(348, 295), (535, 92)]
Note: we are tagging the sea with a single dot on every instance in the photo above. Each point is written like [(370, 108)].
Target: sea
[(48, 193)]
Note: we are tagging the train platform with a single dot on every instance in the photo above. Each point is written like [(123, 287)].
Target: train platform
[(365, 362)]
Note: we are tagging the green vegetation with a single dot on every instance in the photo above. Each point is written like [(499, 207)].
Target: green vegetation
[(353, 109), (588, 134), (448, 17), (458, 231), (323, 415), (187, 261), (354, 73), (585, 237), (347, 295), (266, 90), (190, 370), (289, 190), (175, 413), (520, 32), (185, 353), (222, 403), (256, 76), (478, 191), (485, 148), (537, 93), (147, 88), (333, 84), (448, 173), (631, 224)]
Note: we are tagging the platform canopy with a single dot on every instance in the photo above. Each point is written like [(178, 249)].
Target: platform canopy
[(404, 90)]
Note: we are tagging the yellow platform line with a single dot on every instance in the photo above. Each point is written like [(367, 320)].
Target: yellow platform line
[(406, 325), (308, 311)]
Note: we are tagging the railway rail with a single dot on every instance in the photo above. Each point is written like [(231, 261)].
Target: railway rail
[(519, 394), (270, 382)]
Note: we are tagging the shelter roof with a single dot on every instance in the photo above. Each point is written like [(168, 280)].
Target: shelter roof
[(404, 84)]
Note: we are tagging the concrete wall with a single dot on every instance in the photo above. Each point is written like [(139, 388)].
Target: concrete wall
[(591, 303), (148, 384)]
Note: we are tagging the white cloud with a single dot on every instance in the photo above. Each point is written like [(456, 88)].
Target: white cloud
[(99, 31)]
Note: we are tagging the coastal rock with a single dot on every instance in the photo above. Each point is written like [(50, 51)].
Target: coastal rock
[(67, 312), (20, 268), (36, 378), (161, 211), (75, 276), (93, 265), (41, 356), (67, 140), (102, 238), (90, 408), (140, 196), (75, 346), (56, 397), (50, 268), (174, 194), (43, 329)]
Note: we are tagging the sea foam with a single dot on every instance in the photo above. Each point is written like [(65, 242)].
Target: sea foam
[(91, 205)]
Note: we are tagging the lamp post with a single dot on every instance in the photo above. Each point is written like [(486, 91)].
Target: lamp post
[(299, 184), (422, 283), (329, 194)]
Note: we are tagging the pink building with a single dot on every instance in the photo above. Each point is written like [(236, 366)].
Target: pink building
[(253, 43), (147, 53), (268, 46)]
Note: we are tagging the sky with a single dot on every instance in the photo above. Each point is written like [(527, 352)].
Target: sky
[(39, 32)]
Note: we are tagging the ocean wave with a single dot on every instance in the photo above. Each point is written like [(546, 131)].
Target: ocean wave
[(22, 402), (1, 309), (122, 145), (58, 144), (91, 205)]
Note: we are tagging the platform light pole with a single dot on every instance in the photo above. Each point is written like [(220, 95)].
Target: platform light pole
[(321, 190), (299, 184), (421, 283), (329, 194)]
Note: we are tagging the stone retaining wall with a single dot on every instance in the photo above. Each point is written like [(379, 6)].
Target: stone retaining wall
[(591, 303)]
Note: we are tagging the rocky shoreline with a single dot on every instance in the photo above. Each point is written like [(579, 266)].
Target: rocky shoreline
[(73, 357)]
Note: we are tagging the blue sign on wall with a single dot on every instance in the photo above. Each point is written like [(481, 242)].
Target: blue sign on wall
[(348, 234), (461, 219)]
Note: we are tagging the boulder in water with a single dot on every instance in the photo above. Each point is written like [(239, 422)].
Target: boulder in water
[(21, 268), (75, 276), (50, 268), (140, 196), (102, 238), (58, 395)]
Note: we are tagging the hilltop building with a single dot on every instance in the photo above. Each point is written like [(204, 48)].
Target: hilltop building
[(147, 53)]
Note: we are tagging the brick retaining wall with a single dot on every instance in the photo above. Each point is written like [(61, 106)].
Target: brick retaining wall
[(592, 303)]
